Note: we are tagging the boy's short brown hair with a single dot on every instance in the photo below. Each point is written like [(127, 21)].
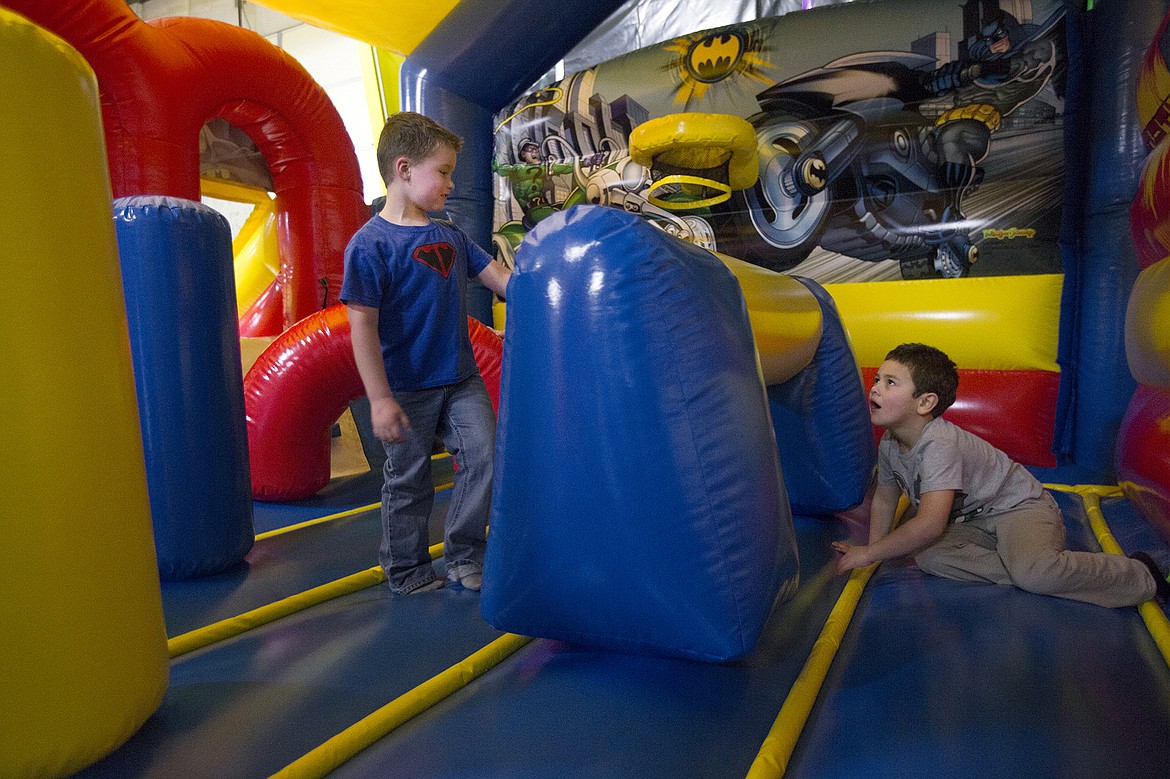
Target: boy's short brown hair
[(413, 136), (931, 370)]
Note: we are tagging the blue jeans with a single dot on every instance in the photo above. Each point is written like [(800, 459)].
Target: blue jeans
[(461, 414)]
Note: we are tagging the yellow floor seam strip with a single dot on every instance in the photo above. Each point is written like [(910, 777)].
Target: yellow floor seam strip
[(772, 760), (317, 521), (242, 623), (776, 751), (1151, 613), (340, 515), (362, 734)]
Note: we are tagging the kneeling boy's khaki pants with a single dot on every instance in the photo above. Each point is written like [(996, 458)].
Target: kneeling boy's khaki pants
[(1024, 546)]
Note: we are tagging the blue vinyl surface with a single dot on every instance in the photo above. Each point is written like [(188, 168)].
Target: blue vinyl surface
[(341, 495), (250, 706), (1132, 532), (556, 710), (957, 679), (934, 678), (945, 678), (283, 565)]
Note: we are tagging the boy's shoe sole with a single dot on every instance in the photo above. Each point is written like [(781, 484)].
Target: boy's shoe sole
[(1163, 586), (430, 586)]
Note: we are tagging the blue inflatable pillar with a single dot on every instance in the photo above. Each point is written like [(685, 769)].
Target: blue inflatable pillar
[(180, 302), (638, 500), (1104, 154)]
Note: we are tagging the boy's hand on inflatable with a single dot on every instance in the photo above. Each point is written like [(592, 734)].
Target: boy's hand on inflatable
[(389, 420), (851, 556)]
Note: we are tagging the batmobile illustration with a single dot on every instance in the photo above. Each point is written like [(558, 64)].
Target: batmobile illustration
[(871, 156)]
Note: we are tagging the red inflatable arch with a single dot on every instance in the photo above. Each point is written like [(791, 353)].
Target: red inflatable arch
[(298, 388), (162, 81)]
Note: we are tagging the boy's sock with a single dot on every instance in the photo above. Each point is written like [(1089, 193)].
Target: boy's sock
[(1163, 592), (466, 576)]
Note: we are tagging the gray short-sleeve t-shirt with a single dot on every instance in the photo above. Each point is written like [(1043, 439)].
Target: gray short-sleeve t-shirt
[(947, 457)]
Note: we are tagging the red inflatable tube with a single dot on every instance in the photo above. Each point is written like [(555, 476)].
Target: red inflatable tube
[(301, 384), (1143, 455), (266, 314), (162, 81), (489, 356), (1012, 410)]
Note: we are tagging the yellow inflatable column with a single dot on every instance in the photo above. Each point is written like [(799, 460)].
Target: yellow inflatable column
[(83, 657)]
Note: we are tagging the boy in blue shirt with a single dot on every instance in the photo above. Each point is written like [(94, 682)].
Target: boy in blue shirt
[(405, 288), (977, 515)]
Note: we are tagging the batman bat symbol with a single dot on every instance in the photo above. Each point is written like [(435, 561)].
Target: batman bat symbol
[(437, 256)]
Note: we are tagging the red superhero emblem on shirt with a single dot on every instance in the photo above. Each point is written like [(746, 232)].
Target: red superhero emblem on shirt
[(438, 256)]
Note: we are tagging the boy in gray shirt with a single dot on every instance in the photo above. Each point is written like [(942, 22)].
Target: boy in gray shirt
[(977, 515)]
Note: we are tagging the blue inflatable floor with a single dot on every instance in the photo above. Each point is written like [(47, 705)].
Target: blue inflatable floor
[(933, 678)]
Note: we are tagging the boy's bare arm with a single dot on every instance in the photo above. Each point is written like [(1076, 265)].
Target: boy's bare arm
[(389, 420), (918, 532), (495, 277), (882, 509), (921, 530)]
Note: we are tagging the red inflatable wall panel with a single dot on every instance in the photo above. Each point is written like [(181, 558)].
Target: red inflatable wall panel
[(1012, 410)]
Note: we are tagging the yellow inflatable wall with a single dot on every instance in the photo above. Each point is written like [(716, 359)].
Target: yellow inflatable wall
[(83, 658)]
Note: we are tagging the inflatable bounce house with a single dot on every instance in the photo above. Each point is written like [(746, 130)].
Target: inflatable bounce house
[(715, 239)]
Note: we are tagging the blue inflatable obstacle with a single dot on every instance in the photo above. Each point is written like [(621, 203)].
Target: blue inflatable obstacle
[(181, 308), (638, 499), (822, 423)]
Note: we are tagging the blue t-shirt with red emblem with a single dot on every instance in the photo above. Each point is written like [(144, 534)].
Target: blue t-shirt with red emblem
[(416, 276)]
